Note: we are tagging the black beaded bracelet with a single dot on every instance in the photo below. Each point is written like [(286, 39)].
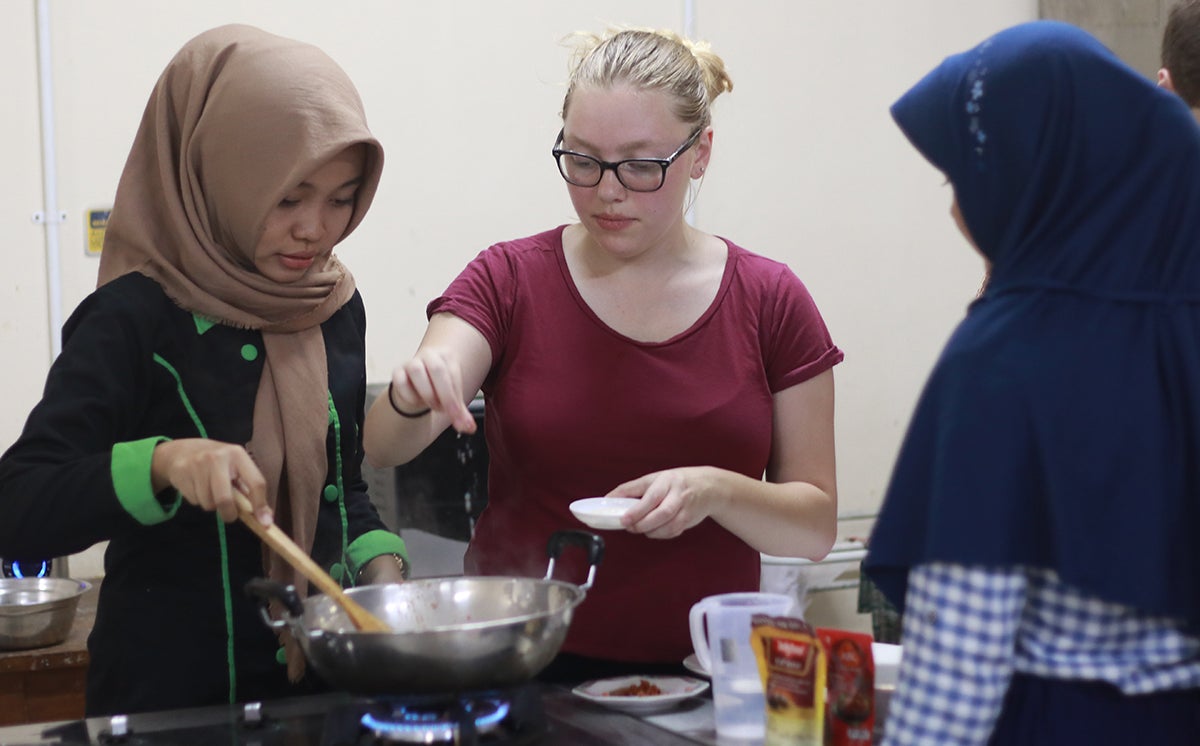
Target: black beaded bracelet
[(401, 412)]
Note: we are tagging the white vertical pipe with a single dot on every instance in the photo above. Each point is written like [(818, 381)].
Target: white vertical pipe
[(51, 219), (689, 31)]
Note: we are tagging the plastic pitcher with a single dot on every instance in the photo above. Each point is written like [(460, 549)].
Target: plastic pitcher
[(720, 627)]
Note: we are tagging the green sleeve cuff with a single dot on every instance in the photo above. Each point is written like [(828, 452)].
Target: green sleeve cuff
[(131, 481), (372, 544)]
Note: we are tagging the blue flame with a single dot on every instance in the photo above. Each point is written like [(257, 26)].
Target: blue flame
[(43, 570)]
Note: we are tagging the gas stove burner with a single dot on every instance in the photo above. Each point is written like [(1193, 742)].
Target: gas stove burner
[(425, 722), (508, 716)]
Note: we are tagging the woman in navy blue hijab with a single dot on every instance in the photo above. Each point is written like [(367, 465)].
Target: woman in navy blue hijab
[(1040, 528)]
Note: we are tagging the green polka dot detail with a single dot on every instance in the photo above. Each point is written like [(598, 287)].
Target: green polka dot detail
[(249, 353), (331, 492), (337, 571), (281, 657)]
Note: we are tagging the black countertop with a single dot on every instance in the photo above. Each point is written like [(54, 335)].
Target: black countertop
[(331, 720)]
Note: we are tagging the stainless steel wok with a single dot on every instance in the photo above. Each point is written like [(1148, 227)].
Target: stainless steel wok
[(450, 634)]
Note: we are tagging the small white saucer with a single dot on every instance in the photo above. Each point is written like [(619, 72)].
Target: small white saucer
[(693, 664), (602, 512)]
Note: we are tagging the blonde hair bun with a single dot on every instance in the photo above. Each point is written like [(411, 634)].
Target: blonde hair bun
[(651, 59)]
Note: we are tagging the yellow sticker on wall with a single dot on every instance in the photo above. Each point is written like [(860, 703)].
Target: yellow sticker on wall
[(97, 222)]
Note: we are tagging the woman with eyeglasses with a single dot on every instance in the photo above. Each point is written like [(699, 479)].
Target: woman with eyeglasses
[(630, 354)]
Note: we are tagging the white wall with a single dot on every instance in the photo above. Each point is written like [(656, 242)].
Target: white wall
[(808, 167)]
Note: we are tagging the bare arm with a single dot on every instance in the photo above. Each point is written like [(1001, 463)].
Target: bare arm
[(792, 514), (381, 570), (443, 376)]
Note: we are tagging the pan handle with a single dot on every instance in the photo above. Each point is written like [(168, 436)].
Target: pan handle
[(265, 591), (591, 542)]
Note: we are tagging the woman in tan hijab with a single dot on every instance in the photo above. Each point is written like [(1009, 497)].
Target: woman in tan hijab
[(223, 352)]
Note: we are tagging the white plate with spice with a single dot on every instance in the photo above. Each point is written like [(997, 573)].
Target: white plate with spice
[(641, 694)]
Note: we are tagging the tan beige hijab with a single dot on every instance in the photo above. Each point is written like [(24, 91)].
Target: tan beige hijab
[(237, 119)]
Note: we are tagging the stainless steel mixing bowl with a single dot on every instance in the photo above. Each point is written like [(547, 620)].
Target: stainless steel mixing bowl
[(36, 612)]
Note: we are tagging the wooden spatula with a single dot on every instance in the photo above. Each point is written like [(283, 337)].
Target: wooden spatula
[(275, 538)]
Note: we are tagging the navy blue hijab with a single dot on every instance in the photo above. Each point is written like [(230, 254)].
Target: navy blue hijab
[(1060, 427)]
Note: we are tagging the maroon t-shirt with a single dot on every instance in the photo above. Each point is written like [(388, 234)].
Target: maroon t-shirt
[(575, 408)]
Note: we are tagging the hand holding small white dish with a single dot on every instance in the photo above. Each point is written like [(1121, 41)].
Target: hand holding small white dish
[(602, 513)]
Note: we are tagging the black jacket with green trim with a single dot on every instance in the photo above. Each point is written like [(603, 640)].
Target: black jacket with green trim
[(135, 369)]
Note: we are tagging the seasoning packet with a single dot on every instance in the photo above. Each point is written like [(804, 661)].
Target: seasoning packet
[(851, 684), (792, 665)]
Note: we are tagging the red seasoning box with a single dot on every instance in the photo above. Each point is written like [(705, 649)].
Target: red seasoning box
[(851, 685)]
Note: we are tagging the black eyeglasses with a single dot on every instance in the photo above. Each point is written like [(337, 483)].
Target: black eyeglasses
[(635, 174)]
